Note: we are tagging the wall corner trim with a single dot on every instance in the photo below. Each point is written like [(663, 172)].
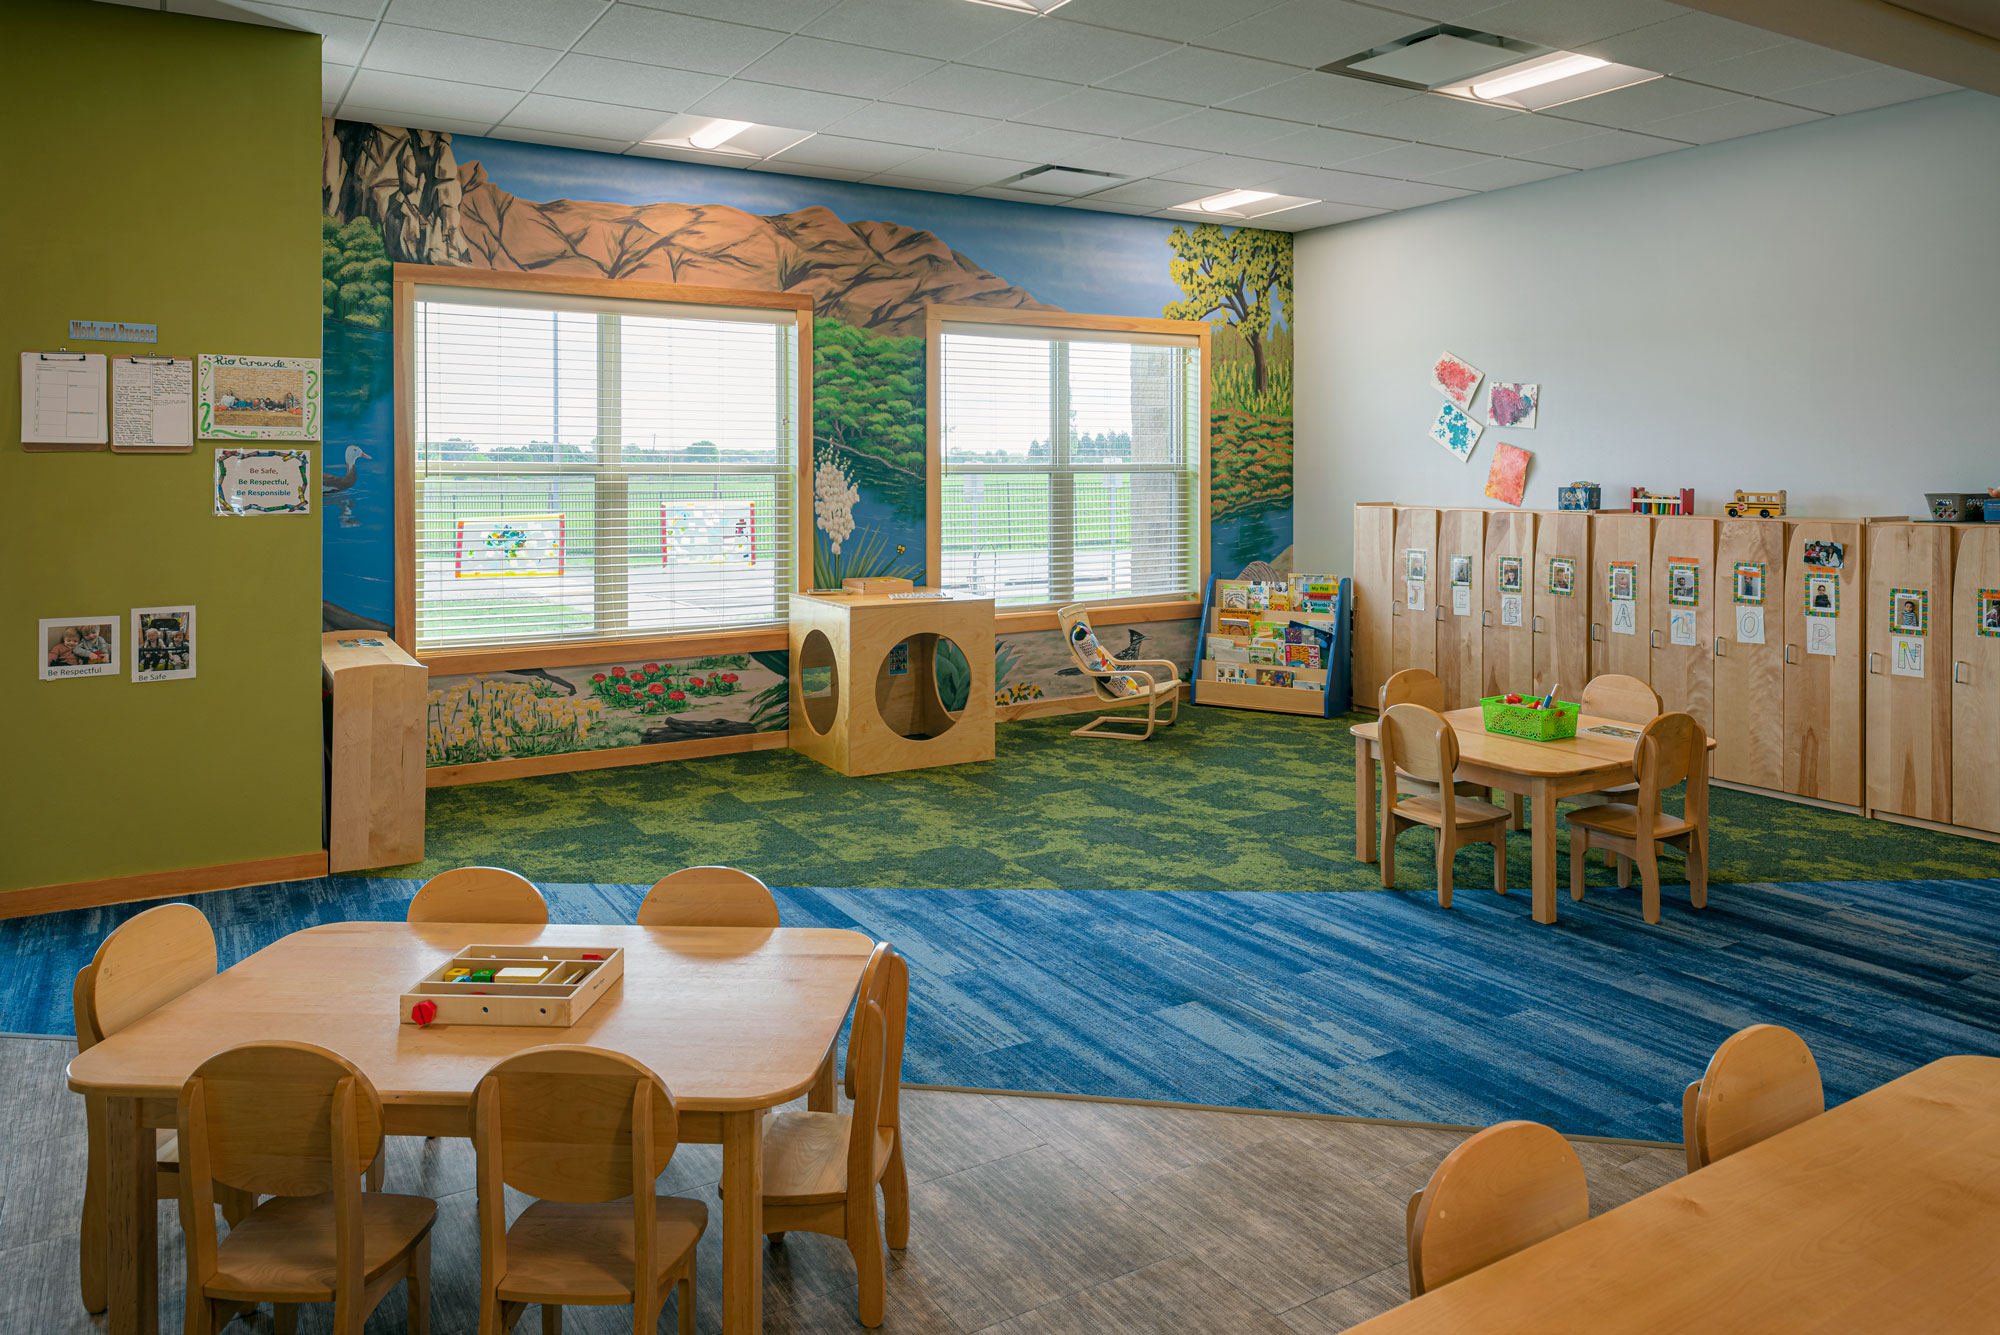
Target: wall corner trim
[(159, 884)]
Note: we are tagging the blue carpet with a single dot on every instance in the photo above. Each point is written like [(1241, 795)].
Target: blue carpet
[(1374, 1005)]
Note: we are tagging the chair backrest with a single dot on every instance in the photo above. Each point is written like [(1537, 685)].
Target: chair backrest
[(1419, 742), (575, 1124), (1761, 1081), (709, 897), (479, 894), (146, 962), (1671, 748), (1411, 686), (1090, 656), (886, 982), (865, 1059), (1617, 696), (1503, 1189)]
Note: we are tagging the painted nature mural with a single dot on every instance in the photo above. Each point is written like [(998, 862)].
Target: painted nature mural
[(392, 195)]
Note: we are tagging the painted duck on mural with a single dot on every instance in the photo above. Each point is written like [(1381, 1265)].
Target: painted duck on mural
[(333, 483)]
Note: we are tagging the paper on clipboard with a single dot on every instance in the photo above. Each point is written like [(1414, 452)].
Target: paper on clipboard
[(62, 399), (152, 403)]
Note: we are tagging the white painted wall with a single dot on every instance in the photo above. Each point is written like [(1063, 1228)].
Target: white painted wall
[(1815, 309)]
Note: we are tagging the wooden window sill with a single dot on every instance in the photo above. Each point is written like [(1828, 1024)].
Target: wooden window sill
[(589, 653), (1109, 614)]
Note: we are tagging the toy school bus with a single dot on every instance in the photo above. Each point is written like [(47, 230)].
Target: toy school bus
[(1756, 504)]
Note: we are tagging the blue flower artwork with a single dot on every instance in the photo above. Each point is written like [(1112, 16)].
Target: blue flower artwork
[(1456, 432)]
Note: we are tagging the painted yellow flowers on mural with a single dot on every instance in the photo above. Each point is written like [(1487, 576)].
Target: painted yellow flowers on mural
[(482, 719)]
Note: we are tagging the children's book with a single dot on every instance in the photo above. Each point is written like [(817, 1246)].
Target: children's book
[(1235, 627), (1276, 676), (1228, 653), (1235, 593)]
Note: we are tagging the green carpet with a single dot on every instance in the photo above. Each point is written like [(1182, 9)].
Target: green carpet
[(1225, 800)]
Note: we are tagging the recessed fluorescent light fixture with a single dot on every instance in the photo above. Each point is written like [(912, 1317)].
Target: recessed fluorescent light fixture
[(717, 133), (714, 139), (1230, 201), (1024, 6), (1547, 81), (1244, 204)]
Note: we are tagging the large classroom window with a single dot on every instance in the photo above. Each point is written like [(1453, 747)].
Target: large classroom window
[(1070, 463), (591, 468)]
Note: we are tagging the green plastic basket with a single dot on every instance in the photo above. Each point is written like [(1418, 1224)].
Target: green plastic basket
[(1537, 725)]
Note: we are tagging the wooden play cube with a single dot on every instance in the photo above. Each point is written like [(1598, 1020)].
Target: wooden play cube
[(864, 680)]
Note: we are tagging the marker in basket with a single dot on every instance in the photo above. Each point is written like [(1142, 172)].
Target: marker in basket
[(1549, 700)]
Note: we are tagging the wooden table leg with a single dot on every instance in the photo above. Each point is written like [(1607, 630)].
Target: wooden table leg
[(743, 1222), (1542, 836), (1364, 799), (131, 1152)]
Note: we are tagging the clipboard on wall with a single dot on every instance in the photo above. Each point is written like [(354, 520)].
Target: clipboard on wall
[(152, 405), (62, 401)]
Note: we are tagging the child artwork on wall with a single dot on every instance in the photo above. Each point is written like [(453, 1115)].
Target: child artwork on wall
[(1511, 403), (1507, 480), (1456, 379), (1456, 432)]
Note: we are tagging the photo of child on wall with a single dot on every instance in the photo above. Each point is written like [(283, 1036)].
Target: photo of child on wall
[(162, 644), (78, 647)]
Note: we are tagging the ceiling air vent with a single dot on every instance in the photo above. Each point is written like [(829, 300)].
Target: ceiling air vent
[(1434, 58), (1053, 180)]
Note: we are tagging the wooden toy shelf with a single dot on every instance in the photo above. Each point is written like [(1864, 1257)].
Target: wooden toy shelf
[(1332, 684), (573, 979)]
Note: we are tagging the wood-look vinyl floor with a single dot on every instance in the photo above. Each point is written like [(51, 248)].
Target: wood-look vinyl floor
[(1029, 1217)]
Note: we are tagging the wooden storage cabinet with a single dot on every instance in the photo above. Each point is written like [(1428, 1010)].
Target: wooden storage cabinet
[(1416, 626), (1507, 655), (1375, 595), (376, 718), (1909, 716), (1625, 540), (1750, 718), (1822, 701), (1460, 637), (1562, 620), (1975, 679), (1684, 617)]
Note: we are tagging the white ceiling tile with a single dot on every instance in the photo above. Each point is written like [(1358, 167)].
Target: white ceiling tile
[(1746, 116), (1323, 214), (446, 55), (1650, 101), (784, 167), (1682, 43), (1219, 131), (1200, 76), (1416, 161), (1497, 174), (1177, 20), (1319, 147), (1319, 98), (573, 116), (862, 156), (1017, 196), (1567, 23), (1443, 11), (1860, 92), (644, 150), (917, 27), (1150, 194), (354, 9), (981, 92), (1052, 49), (556, 23), (897, 182), (410, 120), (775, 104), (598, 78), (1313, 32), (345, 37), (1379, 192), (1223, 172), (1129, 157), (333, 80), (1037, 144), (968, 169), (1102, 111), (1427, 117), (675, 40), (1098, 204), (836, 67), (560, 140), (1603, 149), (1519, 133), (406, 94), (1776, 68), (784, 15), (916, 126)]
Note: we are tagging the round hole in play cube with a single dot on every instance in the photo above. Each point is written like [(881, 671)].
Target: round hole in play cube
[(819, 681), (921, 685)]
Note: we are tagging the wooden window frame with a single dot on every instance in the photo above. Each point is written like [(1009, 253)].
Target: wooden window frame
[(577, 653), (1044, 618)]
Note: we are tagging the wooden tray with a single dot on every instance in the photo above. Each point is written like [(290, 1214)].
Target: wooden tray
[(571, 986)]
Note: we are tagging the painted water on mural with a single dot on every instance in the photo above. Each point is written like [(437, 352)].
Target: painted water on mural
[(358, 513)]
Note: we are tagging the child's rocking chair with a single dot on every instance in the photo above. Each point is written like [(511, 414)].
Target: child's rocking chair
[(1119, 682)]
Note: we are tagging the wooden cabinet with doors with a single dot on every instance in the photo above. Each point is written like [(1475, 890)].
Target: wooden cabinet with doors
[(1684, 628), (1822, 645), (1508, 653), (1909, 669), (1975, 678), (1374, 597), (1620, 637), (1416, 583), (1461, 550), (1561, 602), (1749, 658)]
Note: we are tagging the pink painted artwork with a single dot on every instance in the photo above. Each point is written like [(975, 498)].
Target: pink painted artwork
[(1511, 403), (1508, 479), (1456, 379)]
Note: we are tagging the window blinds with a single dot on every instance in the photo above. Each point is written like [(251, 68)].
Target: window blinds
[(597, 469), (1071, 464)]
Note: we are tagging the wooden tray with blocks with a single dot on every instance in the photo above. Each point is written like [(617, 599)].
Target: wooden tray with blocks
[(514, 985)]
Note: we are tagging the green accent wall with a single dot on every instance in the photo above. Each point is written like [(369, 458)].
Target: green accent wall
[(161, 169)]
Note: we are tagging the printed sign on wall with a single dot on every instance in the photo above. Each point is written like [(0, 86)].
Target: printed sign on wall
[(508, 547), (263, 482)]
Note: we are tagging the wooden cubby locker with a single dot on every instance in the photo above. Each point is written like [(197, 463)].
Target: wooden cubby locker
[(1414, 611), (1683, 632), (1975, 677), (1561, 619), (1460, 635), (1621, 639), (1508, 649), (1822, 695), (1749, 677)]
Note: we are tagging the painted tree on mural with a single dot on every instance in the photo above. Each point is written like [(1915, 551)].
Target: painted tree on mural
[(354, 273), (868, 394), (1246, 274)]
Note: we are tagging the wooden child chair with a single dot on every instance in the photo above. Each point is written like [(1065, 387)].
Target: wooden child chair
[(1627, 700), (1761, 1081), (820, 1168), (586, 1132), (145, 963), (299, 1124), (886, 982), (1418, 740), (1414, 686), (1119, 681), (708, 897), (479, 894), (1503, 1189), (1673, 747)]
